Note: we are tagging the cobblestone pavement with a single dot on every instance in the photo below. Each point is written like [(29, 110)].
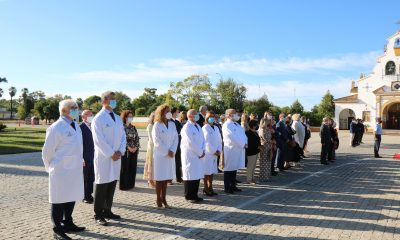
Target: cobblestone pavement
[(355, 198)]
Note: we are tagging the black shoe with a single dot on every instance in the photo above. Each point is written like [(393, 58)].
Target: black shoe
[(88, 201), (101, 222), (59, 234), (229, 191), (378, 156), (324, 163), (237, 189), (274, 173), (112, 216), (71, 227)]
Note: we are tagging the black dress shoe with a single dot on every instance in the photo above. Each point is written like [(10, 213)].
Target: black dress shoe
[(237, 189), (229, 191), (101, 221), (71, 227), (378, 156), (112, 216), (59, 234)]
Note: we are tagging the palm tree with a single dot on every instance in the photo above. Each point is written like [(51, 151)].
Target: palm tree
[(3, 80), (12, 91), (1, 92)]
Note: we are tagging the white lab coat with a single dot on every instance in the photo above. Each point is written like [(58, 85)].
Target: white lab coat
[(192, 147), (165, 139), (213, 141), (62, 158), (235, 140), (108, 137), (300, 133)]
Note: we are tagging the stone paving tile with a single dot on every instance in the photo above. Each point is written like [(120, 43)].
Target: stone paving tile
[(355, 198)]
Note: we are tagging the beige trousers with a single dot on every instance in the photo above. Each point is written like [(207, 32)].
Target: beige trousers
[(251, 166)]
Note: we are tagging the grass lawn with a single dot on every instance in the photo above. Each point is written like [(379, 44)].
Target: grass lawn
[(21, 140)]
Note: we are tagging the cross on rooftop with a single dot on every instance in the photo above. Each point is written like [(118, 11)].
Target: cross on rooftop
[(367, 87)]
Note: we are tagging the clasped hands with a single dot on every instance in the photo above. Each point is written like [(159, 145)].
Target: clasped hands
[(116, 156)]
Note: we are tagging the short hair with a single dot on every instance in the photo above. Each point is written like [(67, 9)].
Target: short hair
[(190, 112), (296, 117), (85, 112), (160, 113), (125, 114), (106, 95), (208, 115), (325, 119), (66, 103), (253, 123), (229, 111), (174, 109), (202, 107), (281, 115)]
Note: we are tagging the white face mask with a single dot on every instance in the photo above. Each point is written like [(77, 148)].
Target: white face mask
[(236, 117), (168, 115), (89, 119)]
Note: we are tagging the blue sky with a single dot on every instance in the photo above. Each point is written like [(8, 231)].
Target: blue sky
[(286, 49)]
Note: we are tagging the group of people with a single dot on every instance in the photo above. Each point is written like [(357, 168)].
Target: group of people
[(357, 129), (329, 140), (182, 146)]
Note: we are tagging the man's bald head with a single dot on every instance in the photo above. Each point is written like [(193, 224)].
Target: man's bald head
[(191, 115)]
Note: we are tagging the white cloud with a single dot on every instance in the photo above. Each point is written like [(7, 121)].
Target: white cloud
[(160, 70)]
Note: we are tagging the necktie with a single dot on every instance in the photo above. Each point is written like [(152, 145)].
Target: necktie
[(112, 116), (213, 127), (73, 126), (196, 127)]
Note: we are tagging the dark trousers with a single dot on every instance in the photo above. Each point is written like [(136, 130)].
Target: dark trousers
[(191, 188), (127, 179), (377, 144), (62, 213), (281, 157), (326, 151), (88, 179), (178, 164), (229, 180), (103, 198)]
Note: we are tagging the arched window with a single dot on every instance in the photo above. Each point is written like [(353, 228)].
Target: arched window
[(390, 68)]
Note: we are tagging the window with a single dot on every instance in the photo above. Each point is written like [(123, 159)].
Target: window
[(390, 68), (366, 116)]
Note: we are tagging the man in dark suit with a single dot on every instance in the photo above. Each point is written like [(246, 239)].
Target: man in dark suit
[(202, 115), (282, 140), (326, 141), (88, 155), (178, 163)]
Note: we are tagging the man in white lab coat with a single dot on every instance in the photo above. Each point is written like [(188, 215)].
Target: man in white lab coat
[(192, 150), (62, 158), (109, 144), (235, 143)]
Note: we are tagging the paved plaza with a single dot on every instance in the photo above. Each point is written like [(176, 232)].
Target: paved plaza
[(358, 197)]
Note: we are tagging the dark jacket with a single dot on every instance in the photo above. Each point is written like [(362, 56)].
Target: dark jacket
[(201, 120), (325, 134), (88, 144), (253, 142), (281, 135)]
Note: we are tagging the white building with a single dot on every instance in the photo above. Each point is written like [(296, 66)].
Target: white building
[(377, 94)]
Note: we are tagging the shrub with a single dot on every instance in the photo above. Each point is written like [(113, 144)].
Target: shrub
[(2, 127)]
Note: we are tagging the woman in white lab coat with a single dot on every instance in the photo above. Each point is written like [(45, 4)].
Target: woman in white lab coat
[(213, 149), (165, 139), (62, 157)]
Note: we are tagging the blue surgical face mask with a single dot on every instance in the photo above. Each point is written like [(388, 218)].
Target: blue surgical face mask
[(130, 119), (74, 114), (196, 117), (113, 103), (211, 120)]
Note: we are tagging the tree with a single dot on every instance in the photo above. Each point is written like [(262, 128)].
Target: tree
[(258, 106), (26, 104), (47, 109), (79, 101), (123, 102), (3, 80), (1, 92), (12, 91), (228, 94), (88, 102), (327, 106), (296, 107), (193, 91), (146, 101)]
